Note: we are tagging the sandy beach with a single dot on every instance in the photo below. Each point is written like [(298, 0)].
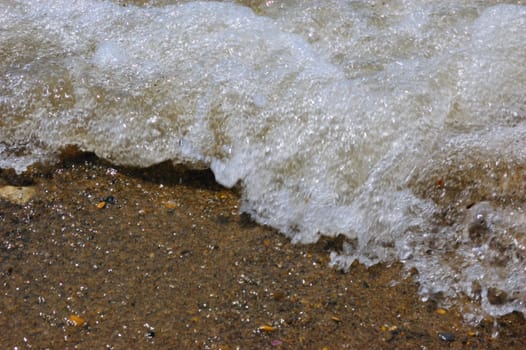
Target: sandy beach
[(160, 258)]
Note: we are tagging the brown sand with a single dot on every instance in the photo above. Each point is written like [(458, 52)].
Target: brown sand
[(168, 263)]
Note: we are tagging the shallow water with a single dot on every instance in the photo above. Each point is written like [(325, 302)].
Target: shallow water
[(399, 125)]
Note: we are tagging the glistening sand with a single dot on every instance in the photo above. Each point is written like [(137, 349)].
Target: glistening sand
[(172, 265)]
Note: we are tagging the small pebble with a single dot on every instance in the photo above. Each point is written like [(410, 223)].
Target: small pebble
[(110, 200), (267, 328), (150, 334), (446, 336), (276, 342), (170, 205), (441, 311), (76, 321)]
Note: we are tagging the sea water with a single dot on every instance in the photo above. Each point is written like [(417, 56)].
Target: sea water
[(399, 125)]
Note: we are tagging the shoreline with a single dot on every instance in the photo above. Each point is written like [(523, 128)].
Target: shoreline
[(113, 257)]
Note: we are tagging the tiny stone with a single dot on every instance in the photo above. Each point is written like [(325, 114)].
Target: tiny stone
[(110, 200), (150, 334), (446, 336)]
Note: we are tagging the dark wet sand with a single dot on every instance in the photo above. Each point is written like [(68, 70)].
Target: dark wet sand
[(168, 263)]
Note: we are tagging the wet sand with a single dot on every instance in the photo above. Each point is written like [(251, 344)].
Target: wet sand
[(113, 258)]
